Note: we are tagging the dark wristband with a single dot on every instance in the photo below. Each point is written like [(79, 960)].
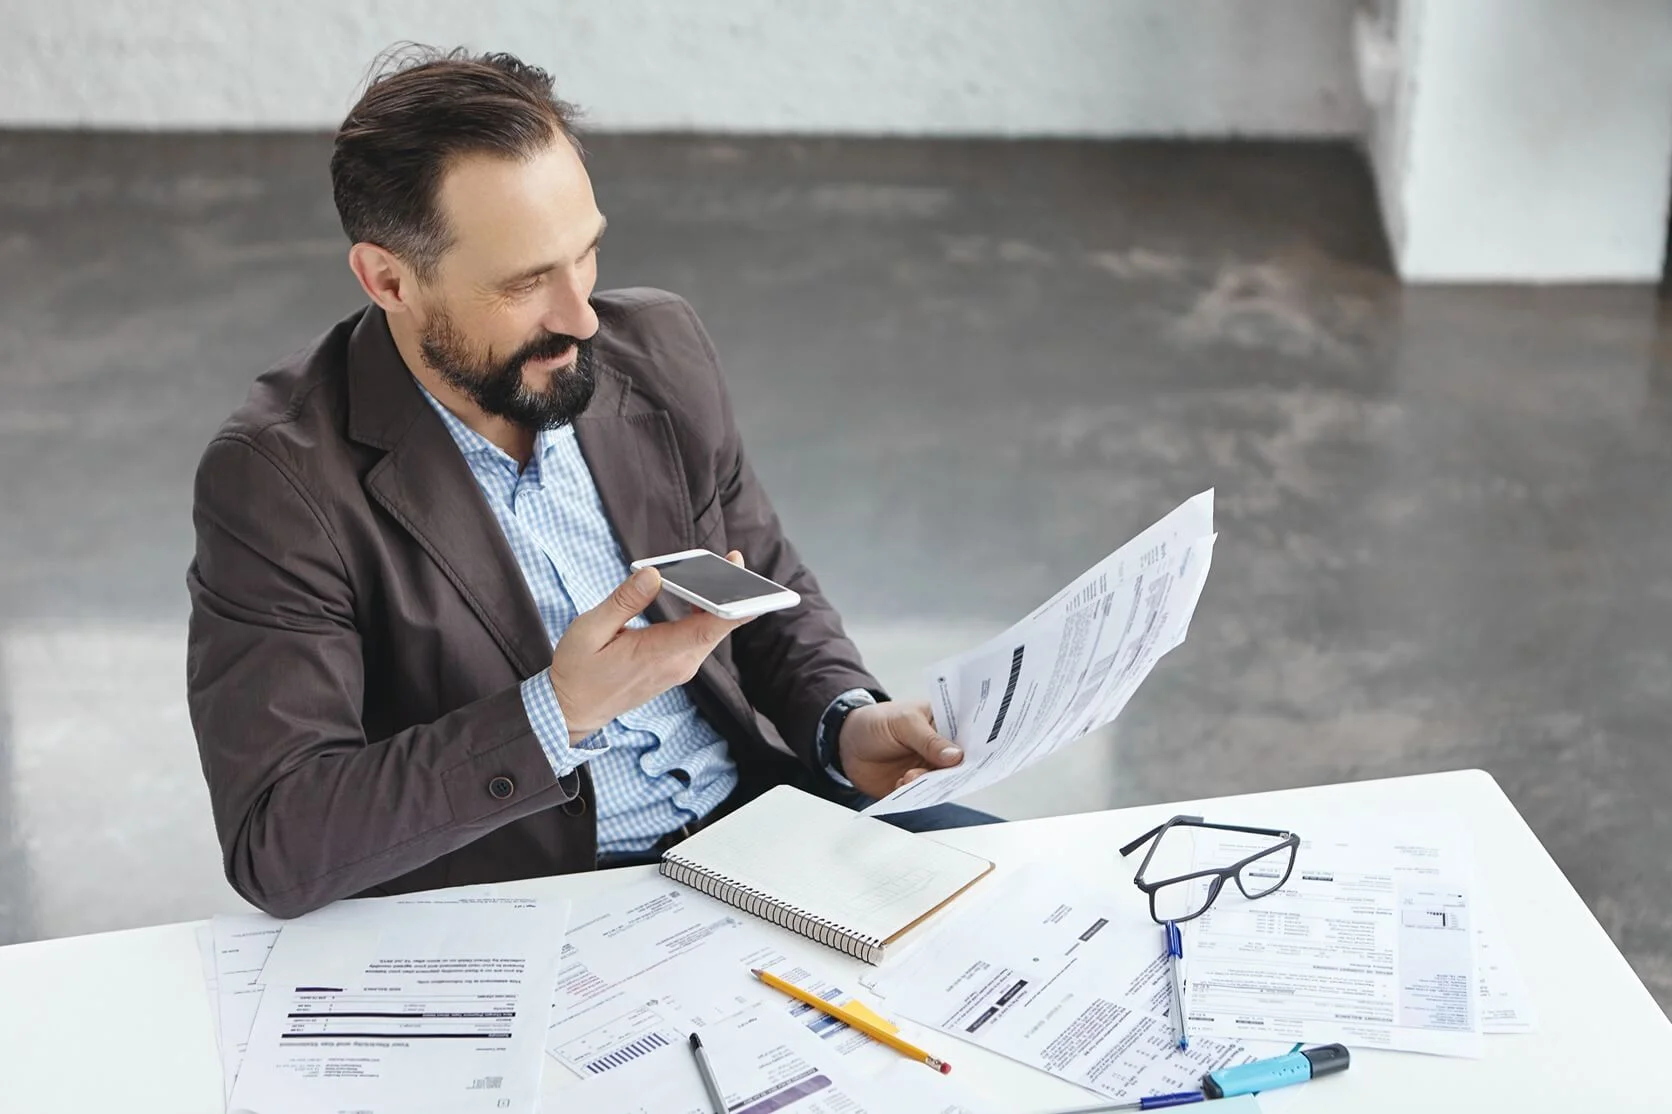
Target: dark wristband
[(831, 723)]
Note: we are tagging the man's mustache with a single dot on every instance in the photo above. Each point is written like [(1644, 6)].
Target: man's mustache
[(548, 347)]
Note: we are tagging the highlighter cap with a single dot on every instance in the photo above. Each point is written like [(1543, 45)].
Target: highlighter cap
[(1328, 1059)]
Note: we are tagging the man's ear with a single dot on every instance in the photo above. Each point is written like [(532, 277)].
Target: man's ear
[(385, 279)]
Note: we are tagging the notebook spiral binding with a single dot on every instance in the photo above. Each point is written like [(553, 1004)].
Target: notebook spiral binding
[(759, 904)]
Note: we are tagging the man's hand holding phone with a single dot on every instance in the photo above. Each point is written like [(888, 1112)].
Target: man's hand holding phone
[(601, 667)]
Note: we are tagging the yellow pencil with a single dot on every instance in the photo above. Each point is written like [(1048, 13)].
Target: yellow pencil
[(876, 1033)]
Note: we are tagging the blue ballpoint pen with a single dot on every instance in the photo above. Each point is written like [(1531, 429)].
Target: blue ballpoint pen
[(1151, 1102), (1175, 956), (1246, 1079)]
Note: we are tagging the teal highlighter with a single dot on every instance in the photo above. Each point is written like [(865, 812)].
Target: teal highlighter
[(1279, 1071)]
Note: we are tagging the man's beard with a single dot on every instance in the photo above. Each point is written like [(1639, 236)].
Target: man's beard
[(497, 385)]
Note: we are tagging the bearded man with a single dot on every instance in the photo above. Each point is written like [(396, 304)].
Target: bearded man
[(416, 658)]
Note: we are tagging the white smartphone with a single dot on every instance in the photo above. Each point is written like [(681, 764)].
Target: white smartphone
[(709, 581)]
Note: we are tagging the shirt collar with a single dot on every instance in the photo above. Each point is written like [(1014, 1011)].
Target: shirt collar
[(479, 450)]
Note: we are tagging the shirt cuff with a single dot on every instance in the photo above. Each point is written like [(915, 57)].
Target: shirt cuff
[(826, 748), (545, 716)]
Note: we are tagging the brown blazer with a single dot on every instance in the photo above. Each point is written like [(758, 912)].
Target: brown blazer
[(359, 626)]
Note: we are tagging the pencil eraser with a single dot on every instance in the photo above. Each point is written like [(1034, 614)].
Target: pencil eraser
[(946, 1069)]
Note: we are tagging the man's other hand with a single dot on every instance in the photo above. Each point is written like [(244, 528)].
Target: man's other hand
[(883, 746), (601, 667)]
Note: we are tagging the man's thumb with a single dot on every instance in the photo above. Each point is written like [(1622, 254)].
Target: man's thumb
[(632, 596), (918, 733)]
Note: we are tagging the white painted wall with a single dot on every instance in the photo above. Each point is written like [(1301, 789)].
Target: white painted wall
[(913, 67), (1526, 140)]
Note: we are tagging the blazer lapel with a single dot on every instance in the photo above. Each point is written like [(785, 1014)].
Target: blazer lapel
[(424, 482), (630, 450), (426, 485)]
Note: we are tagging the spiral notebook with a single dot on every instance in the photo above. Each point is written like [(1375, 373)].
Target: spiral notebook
[(848, 881)]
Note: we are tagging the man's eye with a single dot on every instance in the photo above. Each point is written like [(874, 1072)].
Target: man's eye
[(528, 287)]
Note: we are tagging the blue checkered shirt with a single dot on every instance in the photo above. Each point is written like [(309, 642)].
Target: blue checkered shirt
[(655, 767)]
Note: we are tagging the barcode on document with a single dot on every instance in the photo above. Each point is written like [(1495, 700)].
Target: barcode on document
[(488, 1083), (1009, 692)]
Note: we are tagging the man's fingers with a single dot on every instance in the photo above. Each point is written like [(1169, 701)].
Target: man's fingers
[(690, 639), (910, 776), (703, 631), (735, 558), (917, 731)]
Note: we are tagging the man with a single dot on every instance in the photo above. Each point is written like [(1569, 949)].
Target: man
[(415, 656)]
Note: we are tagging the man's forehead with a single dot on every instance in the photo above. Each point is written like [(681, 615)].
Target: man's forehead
[(506, 212)]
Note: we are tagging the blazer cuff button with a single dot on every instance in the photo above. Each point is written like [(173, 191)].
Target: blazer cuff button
[(502, 787)]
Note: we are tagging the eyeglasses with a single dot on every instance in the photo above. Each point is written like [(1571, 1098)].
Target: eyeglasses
[(1180, 891)]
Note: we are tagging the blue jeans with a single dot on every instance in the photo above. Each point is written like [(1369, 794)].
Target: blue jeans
[(935, 818)]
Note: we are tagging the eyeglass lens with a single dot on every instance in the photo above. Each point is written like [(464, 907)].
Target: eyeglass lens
[(1267, 873), (1185, 849)]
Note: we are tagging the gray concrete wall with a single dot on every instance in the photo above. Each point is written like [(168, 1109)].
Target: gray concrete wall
[(908, 67)]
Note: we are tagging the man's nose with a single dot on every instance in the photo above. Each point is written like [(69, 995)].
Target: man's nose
[(571, 311)]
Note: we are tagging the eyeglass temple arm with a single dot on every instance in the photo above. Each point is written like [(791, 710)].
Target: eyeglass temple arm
[(1246, 828), (1153, 832)]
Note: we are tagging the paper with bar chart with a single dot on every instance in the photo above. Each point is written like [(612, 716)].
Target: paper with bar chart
[(648, 964), (1072, 665), (765, 1063)]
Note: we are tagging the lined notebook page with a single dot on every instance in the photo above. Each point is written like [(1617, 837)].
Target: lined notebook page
[(829, 862)]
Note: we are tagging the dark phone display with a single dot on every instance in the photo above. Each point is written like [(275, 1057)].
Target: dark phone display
[(716, 580)]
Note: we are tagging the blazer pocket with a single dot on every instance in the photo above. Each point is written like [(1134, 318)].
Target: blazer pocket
[(709, 523)]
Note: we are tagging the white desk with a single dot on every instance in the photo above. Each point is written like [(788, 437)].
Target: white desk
[(120, 1021)]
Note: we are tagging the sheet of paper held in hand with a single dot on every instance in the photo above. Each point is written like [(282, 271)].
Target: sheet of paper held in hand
[(1371, 942), (1069, 667), (438, 1007), (1050, 973)]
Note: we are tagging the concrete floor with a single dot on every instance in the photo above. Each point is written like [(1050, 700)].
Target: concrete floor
[(966, 371)]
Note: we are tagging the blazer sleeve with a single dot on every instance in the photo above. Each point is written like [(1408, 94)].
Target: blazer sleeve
[(792, 663), (307, 808)]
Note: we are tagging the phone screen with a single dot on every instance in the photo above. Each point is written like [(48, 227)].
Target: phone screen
[(716, 579)]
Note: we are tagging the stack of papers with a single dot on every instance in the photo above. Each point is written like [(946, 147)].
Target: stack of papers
[(412, 1004), (765, 1062), (1047, 973), (1371, 942), (647, 965), (439, 1003), (1069, 667), (1376, 941)]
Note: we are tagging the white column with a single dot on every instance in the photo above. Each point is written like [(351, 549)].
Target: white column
[(1521, 140)]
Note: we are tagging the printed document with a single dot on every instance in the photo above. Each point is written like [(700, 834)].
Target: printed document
[(1371, 942), (235, 948), (1505, 1006), (765, 1064), (645, 966), (1048, 974), (438, 1006), (1069, 667), (241, 942)]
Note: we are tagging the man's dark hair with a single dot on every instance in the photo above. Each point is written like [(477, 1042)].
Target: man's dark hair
[(421, 110)]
